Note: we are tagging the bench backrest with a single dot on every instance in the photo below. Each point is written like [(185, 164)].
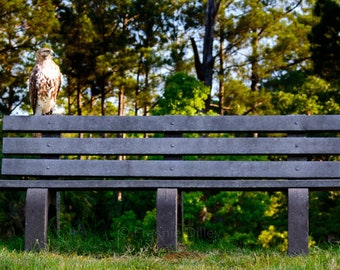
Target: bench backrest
[(171, 153), (172, 147)]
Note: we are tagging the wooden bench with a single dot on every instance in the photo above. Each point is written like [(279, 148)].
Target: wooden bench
[(298, 140)]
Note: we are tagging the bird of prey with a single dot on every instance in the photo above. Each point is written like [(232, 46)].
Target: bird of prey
[(44, 83)]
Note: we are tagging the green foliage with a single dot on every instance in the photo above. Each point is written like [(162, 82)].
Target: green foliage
[(268, 36), (271, 237), (94, 211), (239, 99), (129, 232), (298, 103), (324, 39), (24, 27), (110, 51), (125, 228), (310, 95), (183, 94), (233, 217), (325, 221), (12, 219)]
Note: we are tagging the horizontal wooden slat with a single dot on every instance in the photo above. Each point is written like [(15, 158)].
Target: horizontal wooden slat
[(172, 169), (58, 123), (172, 146), (179, 184)]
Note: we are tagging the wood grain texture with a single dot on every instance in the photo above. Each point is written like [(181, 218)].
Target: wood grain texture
[(58, 123)]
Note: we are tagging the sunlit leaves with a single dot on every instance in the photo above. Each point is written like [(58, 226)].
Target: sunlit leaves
[(183, 94)]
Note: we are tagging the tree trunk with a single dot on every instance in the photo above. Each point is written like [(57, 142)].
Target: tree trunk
[(102, 100), (205, 69), (121, 100), (137, 90), (69, 96), (198, 63), (254, 62), (79, 100), (221, 78)]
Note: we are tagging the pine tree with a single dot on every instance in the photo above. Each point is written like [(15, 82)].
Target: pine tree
[(325, 45), (24, 28)]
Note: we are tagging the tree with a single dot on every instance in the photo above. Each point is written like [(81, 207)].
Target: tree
[(324, 39), (256, 39), (274, 38), (23, 27), (76, 37), (94, 40), (150, 29), (183, 94), (204, 68), (296, 92), (239, 99)]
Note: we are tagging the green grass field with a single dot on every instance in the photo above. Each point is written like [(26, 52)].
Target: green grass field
[(317, 259), (91, 253)]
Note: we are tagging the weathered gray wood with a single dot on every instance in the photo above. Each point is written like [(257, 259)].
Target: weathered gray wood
[(298, 221), (167, 218), (53, 207), (294, 123), (176, 196), (172, 146), (187, 185), (172, 168), (36, 219), (298, 213), (172, 175)]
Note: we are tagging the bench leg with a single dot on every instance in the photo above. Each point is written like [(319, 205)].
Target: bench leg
[(37, 202), (298, 221), (167, 208)]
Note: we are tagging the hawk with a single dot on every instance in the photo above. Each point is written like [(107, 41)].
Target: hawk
[(44, 83)]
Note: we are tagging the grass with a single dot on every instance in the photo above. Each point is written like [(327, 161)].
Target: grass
[(318, 259), (73, 254)]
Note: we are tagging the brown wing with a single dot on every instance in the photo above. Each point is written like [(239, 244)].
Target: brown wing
[(55, 87), (33, 91), (57, 84)]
